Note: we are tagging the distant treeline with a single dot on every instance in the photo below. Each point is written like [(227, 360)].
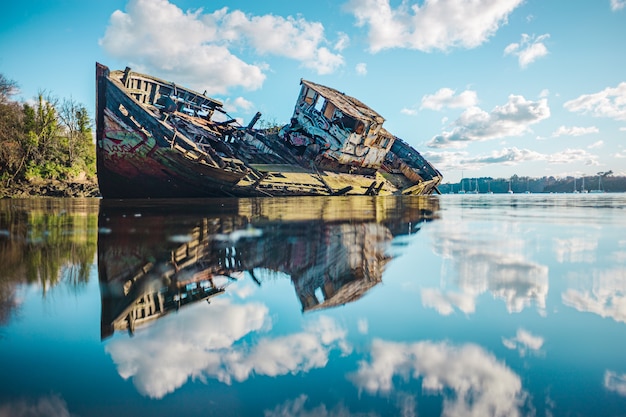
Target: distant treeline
[(48, 139), (604, 181)]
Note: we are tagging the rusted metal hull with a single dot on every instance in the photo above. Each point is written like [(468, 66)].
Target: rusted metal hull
[(157, 140)]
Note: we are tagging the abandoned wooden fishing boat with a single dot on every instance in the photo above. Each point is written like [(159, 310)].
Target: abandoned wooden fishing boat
[(156, 139)]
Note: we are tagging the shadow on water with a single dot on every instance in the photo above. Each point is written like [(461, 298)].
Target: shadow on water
[(155, 257)]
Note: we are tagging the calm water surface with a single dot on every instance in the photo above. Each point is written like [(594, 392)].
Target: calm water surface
[(486, 305)]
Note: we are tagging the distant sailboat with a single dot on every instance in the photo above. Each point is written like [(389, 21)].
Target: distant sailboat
[(462, 190), (510, 191), (599, 190), (475, 191), (575, 190)]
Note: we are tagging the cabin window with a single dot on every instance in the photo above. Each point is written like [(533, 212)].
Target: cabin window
[(359, 128), (309, 96), (319, 104), (349, 123), (384, 142), (329, 111)]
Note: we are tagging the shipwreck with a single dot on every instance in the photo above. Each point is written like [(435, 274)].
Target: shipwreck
[(156, 139)]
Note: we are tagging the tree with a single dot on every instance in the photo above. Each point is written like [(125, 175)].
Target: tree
[(7, 89), (43, 140), (40, 129), (12, 157), (77, 126)]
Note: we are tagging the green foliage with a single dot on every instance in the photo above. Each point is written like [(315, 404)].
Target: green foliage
[(269, 126), (49, 140)]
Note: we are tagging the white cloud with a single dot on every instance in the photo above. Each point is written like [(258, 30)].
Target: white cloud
[(523, 342), (445, 97), (598, 144), (574, 131), (294, 38), (361, 68), (434, 24), (512, 119), (471, 381), (528, 49), (343, 40), (610, 102), (508, 156), (238, 104), (161, 358), (617, 5), (194, 48), (570, 155), (615, 382), (408, 111)]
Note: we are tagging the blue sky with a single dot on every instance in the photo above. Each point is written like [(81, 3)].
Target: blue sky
[(480, 87)]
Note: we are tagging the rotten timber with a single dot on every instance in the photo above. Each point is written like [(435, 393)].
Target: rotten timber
[(155, 139)]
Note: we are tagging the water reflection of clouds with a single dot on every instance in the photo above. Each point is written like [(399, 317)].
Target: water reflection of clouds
[(575, 249), (486, 262), (603, 293), (445, 302), (48, 406), (298, 408), (471, 381), (615, 382), (524, 341), (200, 346)]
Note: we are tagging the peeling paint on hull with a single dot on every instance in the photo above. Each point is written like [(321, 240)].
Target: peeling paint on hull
[(155, 139)]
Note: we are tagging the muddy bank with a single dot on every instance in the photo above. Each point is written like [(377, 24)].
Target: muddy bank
[(51, 188)]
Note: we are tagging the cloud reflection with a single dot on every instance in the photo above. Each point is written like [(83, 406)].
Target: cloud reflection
[(445, 302), (577, 249), (615, 382), (471, 381), (200, 346), (605, 295), (523, 342), (48, 406), (297, 408), (486, 262)]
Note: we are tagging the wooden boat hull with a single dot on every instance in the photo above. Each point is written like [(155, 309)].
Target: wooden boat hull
[(145, 150), (135, 161)]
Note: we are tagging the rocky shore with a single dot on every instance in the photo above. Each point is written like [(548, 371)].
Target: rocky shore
[(51, 188)]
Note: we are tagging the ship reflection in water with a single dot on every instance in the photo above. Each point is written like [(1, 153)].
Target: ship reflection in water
[(158, 257), (461, 305)]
